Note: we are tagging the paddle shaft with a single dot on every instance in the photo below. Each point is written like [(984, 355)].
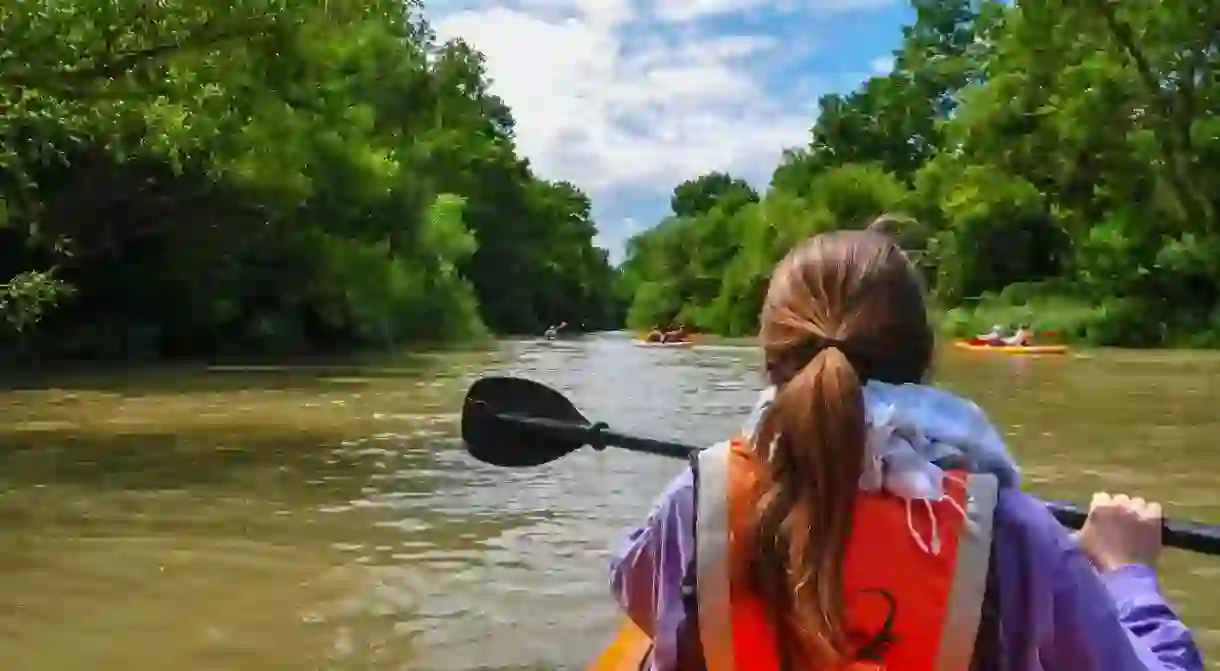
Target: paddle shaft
[(1180, 534), (598, 438)]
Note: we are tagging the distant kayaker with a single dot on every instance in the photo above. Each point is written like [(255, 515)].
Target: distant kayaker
[(552, 331), (1024, 337), (678, 334), (865, 520), (993, 337), (655, 335)]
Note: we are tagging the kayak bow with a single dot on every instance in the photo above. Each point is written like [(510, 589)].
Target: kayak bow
[(628, 649)]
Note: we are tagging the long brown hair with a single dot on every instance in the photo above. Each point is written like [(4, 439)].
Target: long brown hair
[(842, 308)]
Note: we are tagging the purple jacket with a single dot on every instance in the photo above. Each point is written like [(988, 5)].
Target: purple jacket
[(1056, 612)]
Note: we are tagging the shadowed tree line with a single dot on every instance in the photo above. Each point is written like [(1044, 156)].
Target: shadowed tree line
[(1057, 162), (270, 176)]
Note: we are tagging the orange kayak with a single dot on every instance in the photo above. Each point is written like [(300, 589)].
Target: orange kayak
[(678, 343)]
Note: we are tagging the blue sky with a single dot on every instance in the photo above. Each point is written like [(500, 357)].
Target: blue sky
[(627, 98)]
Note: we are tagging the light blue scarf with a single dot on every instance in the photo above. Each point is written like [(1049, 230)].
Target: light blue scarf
[(910, 427)]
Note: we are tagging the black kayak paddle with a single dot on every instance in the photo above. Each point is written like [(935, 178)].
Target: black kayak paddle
[(514, 422)]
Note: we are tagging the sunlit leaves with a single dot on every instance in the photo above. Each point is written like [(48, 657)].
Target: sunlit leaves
[(276, 174), (1067, 146)]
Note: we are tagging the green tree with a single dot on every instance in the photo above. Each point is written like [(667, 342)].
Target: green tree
[(180, 178), (698, 196), (1054, 159)]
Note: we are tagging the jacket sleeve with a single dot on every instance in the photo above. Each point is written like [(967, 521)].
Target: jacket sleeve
[(1149, 620), (1116, 621), (648, 568)]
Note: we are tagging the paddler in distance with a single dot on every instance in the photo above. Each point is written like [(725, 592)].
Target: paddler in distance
[(864, 520), (677, 334), (1024, 337), (993, 337)]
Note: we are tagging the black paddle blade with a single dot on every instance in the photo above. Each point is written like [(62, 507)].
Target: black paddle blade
[(509, 421)]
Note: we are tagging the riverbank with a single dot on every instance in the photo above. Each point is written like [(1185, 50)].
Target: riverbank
[(1173, 357), (293, 208), (1066, 319)]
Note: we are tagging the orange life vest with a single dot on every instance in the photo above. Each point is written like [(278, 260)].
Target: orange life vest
[(914, 610)]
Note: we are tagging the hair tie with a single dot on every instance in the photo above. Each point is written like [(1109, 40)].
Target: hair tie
[(817, 344), (833, 342)]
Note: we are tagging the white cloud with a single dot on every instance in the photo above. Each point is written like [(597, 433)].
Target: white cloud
[(626, 98), (602, 100), (882, 65), (614, 238), (687, 10)]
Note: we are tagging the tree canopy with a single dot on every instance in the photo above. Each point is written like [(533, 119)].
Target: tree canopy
[(185, 178), (181, 177), (1057, 162)]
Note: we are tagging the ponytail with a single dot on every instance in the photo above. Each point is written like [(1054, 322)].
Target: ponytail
[(811, 447)]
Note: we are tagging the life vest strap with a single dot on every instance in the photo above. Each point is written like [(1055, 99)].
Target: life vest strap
[(712, 535), (961, 624)]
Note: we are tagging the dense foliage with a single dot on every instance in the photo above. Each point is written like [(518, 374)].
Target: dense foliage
[(1059, 162), (183, 177)]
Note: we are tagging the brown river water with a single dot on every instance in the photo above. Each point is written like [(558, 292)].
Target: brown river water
[(325, 516)]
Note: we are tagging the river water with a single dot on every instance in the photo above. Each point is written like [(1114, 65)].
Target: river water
[(325, 516)]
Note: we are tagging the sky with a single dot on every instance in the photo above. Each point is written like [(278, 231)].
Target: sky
[(628, 98)]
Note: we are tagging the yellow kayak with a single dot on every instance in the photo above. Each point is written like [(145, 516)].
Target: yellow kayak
[(1011, 349), (626, 652)]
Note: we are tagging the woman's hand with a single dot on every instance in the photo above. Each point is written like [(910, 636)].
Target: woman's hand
[(1121, 531)]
